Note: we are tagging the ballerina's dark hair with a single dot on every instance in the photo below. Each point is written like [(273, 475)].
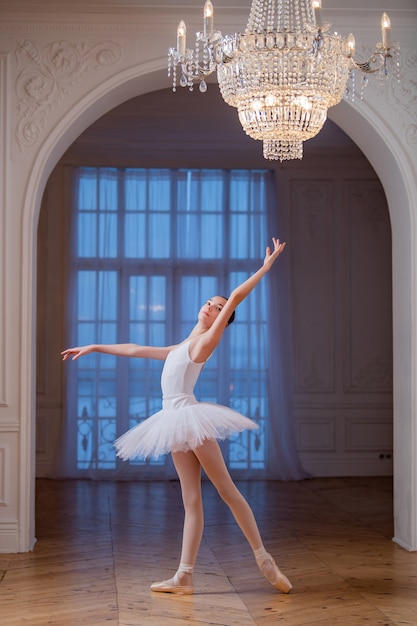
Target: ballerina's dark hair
[(232, 317)]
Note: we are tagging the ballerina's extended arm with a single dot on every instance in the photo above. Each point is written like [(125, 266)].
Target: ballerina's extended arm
[(205, 343), (239, 293), (118, 349)]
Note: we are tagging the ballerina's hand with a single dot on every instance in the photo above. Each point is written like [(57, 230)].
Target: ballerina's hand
[(271, 257), (75, 353)]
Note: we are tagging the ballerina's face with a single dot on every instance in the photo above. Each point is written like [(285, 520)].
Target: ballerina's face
[(210, 310)]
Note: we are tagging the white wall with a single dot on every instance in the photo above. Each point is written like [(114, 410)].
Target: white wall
[(58, 74)]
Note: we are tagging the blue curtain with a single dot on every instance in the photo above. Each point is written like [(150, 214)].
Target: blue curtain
[(149, 247)]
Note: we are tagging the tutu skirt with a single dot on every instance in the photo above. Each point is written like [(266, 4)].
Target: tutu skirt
[(182, 424)]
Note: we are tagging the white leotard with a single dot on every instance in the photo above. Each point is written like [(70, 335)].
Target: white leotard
[(183, 423)]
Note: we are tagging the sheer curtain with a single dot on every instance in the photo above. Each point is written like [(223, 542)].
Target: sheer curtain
[(149, 247), (285, 462)]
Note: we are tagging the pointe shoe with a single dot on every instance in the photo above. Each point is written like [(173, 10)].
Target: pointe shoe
[(172, 586), (274, 575)]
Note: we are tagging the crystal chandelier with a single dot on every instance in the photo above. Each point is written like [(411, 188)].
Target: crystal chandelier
[(282, 73)]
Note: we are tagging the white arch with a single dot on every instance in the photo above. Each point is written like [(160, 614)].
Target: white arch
[(390, 162), (386, 154), (125, 85)]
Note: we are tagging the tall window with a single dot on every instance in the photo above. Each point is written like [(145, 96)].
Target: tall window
[(150, 247)]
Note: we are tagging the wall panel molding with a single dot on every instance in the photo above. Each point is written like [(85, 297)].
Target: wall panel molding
[(4, 449), (9, 537), (340, 246), (312, 233), (353, 466), (368, 289), (369, 433), (318, 435), (4, 60)]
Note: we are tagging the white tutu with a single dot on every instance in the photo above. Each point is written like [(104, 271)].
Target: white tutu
[(183, 423), (180, 429)]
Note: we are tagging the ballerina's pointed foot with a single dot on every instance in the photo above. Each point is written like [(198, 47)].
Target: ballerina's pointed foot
[(173, 586), (274, 575)]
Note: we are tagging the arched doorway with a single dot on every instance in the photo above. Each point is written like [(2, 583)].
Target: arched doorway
[(390, 163), (394, 179)]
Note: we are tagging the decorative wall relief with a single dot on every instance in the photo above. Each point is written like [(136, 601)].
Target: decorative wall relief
[(47, 74), (374, 376), (404, 93), (371, 201), (312, 381), (312, 196)]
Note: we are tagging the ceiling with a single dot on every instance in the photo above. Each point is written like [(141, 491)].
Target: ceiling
[(109, 5)]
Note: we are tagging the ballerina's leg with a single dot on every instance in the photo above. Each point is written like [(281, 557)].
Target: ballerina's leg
[(189, 473), (211, 459)]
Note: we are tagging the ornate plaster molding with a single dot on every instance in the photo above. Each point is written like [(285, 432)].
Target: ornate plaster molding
[(369, 197), (401, 94), (312, 381), (48, 73), (376, 375), (404, 94)]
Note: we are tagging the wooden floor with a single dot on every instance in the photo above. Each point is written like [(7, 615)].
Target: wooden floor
[(100, 545)]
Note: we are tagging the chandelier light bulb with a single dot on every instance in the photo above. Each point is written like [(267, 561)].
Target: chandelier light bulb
[(351, 44), (181, 36), (317, 13), (208, 14), (256, 105), (303, 102), (385, 28), (270, 100)]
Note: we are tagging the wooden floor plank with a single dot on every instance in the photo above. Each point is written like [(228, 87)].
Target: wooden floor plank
[(101, 544)]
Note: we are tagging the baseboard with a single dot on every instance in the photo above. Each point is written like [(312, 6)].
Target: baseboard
[(404, 545), (327, 468)]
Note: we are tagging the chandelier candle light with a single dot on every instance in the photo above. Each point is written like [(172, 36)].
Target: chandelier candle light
[(282, 73)]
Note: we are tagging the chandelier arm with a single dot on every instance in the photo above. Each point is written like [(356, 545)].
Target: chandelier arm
[(196, 71), (375, 63), (191, 69)]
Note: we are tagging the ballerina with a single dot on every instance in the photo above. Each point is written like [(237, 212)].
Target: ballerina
[(190, 430)]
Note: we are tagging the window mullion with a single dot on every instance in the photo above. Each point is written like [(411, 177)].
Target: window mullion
[(225, 287), (123, 327)]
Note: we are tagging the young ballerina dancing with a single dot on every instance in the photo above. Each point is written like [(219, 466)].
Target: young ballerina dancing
[(190, 429)]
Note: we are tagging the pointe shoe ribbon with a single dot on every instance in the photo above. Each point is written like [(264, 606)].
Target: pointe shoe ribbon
[(274, 575)]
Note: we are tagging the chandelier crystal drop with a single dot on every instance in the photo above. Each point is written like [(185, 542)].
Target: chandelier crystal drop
[(282, 74)]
